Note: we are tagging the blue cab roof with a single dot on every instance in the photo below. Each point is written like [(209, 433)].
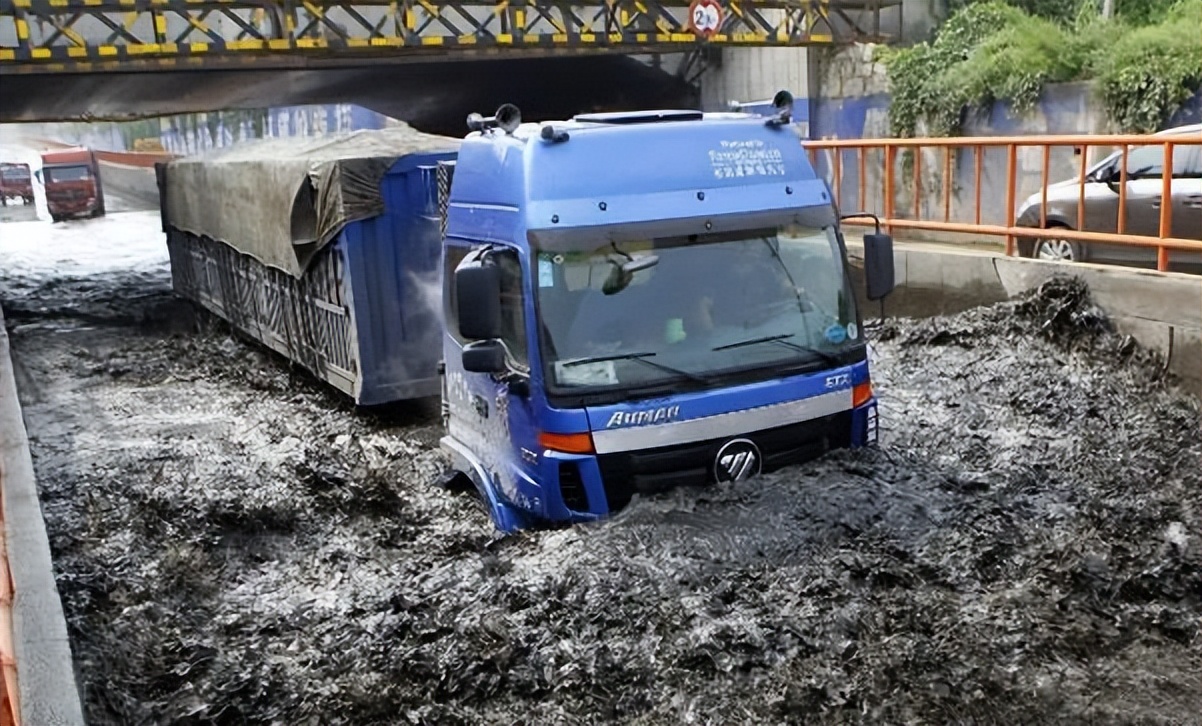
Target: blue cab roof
[(614, 169)]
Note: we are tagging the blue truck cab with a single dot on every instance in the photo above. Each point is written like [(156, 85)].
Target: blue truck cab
[(640, 301)]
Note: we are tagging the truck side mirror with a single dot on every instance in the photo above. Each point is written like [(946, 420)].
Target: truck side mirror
[(478, 301), (484, 356), (878, 266)]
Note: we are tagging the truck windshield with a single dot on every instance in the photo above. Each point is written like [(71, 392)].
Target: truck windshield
[(709, 305), (67, 173), (14, 173)]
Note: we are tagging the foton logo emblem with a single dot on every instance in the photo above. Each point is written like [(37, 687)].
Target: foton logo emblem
[(643, 418)]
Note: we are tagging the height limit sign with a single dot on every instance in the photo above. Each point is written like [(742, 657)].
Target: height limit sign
[(705, 17)]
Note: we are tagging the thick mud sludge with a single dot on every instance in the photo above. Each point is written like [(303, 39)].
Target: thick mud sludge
[(234, 546)]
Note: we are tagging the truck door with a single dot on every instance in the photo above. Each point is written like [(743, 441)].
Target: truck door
[(490, 413)]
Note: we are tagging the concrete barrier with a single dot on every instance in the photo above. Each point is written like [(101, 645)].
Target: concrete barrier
[(1160, 310), (47, 690)]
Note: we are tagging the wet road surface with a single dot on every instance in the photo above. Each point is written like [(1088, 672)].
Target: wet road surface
[(234, 545)]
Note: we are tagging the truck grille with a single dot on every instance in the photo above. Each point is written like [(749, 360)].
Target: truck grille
[(655, 470)]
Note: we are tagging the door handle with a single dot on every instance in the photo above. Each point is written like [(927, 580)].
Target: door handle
[(1194, 201)]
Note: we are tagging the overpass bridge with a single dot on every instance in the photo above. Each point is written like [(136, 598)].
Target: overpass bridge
[(40, 36), (114, 59)]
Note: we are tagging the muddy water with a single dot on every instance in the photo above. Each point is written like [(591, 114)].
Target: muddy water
[(233, 545)]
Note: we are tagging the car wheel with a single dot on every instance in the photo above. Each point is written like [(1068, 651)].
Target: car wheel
[(1057, 250)]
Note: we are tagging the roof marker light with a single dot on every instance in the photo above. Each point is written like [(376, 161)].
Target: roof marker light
[(553, 135)]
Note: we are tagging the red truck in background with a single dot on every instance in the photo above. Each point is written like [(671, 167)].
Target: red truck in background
[(72, 181), (16, 182)]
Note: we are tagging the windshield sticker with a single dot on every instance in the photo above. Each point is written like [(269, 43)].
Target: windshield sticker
[(738, 159), (598, 373), (852, 331), (836, 334), (546, 273)]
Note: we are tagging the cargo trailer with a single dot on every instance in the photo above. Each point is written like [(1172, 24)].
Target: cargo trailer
[(324, 250)]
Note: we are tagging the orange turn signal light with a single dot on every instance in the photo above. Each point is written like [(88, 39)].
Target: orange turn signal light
[(861, 394), (567, 443)]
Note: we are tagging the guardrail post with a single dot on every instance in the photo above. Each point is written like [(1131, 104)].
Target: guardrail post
[(1081, 187), (978, 163), (1043, 195), (890, 157), (947, 184), (917, 182), (1011, 183), (863, 171), (1122, 223), (1166, 206), (839, 178)]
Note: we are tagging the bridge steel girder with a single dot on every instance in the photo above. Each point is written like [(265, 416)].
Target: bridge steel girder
[(81, 36)]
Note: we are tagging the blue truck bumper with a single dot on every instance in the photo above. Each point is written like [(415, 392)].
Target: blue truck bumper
[(574, 488)]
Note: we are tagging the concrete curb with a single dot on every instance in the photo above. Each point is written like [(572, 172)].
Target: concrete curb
[(1160, 310), (45, 670)]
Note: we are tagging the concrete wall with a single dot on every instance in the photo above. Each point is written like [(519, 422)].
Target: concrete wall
[(851, 100), (912, 21), (1162, 311), (756, 74)]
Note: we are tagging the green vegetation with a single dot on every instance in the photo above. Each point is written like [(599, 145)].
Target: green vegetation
[(1144, 67), (1134, 12)]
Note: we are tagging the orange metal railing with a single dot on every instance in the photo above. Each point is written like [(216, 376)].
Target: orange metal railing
[(10, 708), (880, 156)]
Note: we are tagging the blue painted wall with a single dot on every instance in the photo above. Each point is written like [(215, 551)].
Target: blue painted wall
[(191, 133), (198, 132)]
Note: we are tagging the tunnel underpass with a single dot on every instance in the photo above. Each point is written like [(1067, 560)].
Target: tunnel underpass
[(432, 96)]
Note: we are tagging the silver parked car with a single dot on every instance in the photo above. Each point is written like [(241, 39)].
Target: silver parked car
[(1144, 187)]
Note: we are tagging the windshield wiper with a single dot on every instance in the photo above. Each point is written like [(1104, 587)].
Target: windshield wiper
[(640, 357), (783, 340), (792, 283)]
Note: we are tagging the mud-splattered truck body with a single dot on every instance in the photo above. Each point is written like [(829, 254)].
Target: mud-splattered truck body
[(16, 182), (640, 301), (609, 305), (71, 179)]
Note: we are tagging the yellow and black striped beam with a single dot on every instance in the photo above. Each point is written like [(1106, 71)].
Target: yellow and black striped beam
[(104, 35)]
